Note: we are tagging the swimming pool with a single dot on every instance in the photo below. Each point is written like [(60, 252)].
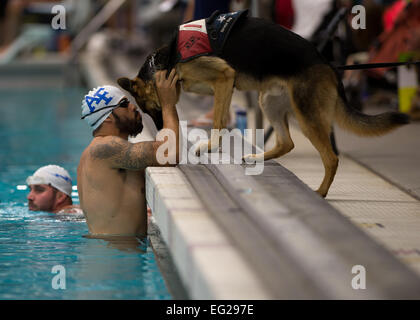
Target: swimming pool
[(38, 126)]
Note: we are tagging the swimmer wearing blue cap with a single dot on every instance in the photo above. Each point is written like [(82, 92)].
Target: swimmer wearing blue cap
[(110, 175)]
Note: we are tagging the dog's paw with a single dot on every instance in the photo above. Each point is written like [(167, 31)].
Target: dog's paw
[(322, 193), (202, 148), (205, 147), (251, 158)]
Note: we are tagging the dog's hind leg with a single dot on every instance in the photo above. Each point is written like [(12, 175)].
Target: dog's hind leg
[(276, 110), (321, 142), (314, 105)]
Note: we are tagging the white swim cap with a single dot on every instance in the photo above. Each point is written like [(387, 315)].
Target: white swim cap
[(99, 103), (53, 175)]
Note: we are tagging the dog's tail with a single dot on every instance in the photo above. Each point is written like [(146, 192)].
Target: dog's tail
[(366, 125)]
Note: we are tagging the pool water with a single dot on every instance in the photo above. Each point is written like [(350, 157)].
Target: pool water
[(39, 127)]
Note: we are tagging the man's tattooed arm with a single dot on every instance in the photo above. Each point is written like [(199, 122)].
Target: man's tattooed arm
[(120, 153)]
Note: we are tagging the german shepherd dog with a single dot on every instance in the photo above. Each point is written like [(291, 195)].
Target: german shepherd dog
[(263, 56)]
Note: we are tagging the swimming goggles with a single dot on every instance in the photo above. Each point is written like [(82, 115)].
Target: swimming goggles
[(124, 103)]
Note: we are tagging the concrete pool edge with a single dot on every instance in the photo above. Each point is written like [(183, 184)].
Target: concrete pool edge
[(165, 262), (212, 267), (209, 264), (314, 241)]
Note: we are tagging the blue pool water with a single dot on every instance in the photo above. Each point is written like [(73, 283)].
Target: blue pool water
[(39, 127)]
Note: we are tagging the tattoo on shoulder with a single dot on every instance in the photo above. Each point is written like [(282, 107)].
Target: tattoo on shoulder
[(133, 160), (107, 150), (126, 155)]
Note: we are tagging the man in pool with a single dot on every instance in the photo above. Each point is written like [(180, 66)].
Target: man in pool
[(51, 191), (110, 175)]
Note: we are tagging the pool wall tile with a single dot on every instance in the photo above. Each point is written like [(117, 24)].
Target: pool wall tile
[(209, 266)]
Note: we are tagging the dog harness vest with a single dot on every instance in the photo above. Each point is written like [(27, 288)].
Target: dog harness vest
[(206, 36)]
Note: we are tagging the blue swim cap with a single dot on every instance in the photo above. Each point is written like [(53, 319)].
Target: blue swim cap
[(99, 103)]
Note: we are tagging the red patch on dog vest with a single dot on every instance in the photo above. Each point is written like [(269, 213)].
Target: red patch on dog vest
[(193, 40)]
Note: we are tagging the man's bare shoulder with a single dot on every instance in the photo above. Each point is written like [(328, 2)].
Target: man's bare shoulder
[(106, 147), (116, 152)]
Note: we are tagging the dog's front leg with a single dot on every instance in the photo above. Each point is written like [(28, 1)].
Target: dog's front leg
[(223, 89)]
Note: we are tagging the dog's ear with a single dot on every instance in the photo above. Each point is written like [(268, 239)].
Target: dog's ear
[(125, 83)]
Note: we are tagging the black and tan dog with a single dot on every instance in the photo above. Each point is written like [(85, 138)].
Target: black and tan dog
[(260, 55)]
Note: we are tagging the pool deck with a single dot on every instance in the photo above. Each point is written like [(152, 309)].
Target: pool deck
[(376, 191), (376, 186)]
